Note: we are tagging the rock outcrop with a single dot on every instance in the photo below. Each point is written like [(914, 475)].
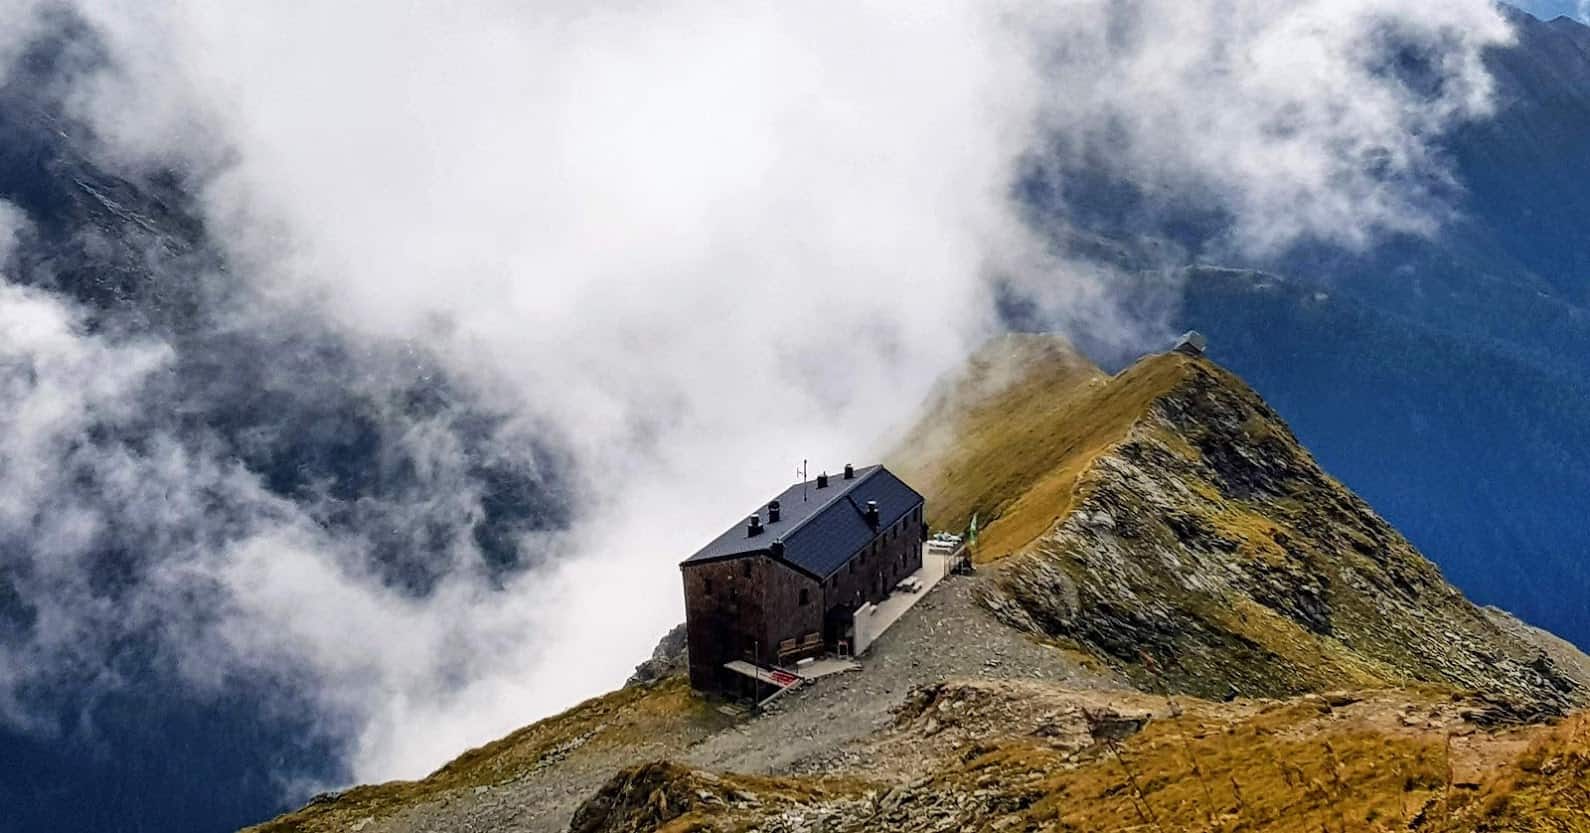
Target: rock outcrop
[(1010, 757), (1208, 552), (671, 657)]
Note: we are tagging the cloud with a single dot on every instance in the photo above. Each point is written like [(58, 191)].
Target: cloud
[(691, 243), (60, 386), (697, 245), (1302, 121)]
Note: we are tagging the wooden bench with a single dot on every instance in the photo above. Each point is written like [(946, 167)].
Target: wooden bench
[(811, 645)]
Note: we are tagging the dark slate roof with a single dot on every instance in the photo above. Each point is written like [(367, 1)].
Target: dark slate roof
[(823, 529)]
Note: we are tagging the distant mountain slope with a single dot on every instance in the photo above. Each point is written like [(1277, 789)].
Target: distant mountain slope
[(1446, 379), (1480, 455), (110, 736), (1449, 379)]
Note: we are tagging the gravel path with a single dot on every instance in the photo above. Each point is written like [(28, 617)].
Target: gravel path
[(946, 636)]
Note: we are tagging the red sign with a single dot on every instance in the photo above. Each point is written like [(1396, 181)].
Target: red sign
[(782, 678)]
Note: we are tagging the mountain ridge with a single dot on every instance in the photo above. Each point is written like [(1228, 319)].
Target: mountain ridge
[(1209, 507), (1474, 333), (1015, 685), (1441, 376)]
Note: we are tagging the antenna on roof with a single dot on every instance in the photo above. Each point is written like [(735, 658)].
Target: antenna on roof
[(803, 481)]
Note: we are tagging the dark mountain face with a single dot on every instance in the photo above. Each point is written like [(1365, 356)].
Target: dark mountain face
[(273, 421), (1446, 379), (1454, 394), (1478, 455)]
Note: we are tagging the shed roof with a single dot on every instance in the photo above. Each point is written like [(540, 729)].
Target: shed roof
[(819, 528), (1192, 343)]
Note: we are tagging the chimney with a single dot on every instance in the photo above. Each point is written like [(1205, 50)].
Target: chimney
[(772, 512), (822, 480), (872, 512), (850, 472), (778, 549), (754, 527)]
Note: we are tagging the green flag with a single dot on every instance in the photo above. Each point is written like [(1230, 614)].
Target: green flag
[(971, 532)]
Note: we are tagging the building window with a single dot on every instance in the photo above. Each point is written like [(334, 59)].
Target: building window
[(745, 569), (806, 597), (852, 568), (708, 583)]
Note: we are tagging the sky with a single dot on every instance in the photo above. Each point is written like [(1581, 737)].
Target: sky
[(1552, 9), (690, 243)]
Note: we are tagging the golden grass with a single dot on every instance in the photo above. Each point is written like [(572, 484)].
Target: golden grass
[(1380, 761), (1289, 769), (1547, 788), (1011, 436), (1319, 662)]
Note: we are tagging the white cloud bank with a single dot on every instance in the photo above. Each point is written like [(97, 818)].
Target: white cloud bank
[(703, 240), (1288, 115)]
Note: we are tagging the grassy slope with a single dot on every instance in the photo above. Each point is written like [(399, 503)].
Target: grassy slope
[(1282, 770), (1301, 766), (612, 724), (1008, 437), (1237, 560), (1371, 761)]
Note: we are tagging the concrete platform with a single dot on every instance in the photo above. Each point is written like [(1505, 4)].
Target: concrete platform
[(770, 676), (873, 620), (825, 667)]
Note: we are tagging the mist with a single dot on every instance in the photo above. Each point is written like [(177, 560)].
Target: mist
[(684, 246)]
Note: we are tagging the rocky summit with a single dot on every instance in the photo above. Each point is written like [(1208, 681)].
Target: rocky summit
[(1208, 552), (1178, 622)]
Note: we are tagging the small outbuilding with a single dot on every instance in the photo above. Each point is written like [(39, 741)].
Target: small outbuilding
[(784, 585), (1192, 343)]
